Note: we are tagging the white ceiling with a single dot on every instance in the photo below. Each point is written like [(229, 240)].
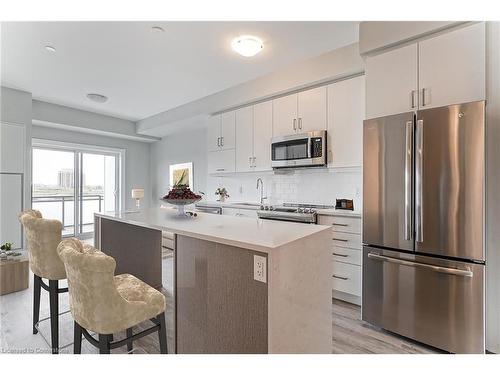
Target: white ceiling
[(143, 72)]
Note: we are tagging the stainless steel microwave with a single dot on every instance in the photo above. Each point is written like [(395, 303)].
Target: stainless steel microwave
[(299, 150)]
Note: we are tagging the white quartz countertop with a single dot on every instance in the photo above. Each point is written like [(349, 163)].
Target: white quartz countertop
[(249, 233)]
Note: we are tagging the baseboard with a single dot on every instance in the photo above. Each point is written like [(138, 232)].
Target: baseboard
[(351, 298)]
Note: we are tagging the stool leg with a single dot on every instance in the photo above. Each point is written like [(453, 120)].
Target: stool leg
[(130, 345), (54, 315), (104, 341), (36, 301), (77, 339), (162, 333)]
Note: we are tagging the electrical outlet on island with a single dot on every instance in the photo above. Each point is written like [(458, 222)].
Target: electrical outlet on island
[(260, 268)]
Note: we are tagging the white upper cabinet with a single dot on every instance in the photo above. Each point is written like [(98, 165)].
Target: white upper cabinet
[(442, 70), (391, 82), (299, 113), (12, 148), (346, 112), (262, 134), (285, 115), (221, 161), (452, 67), (213, 131), (254, 128), (244, 139), (221, 132), (312, 110), (228, 130)]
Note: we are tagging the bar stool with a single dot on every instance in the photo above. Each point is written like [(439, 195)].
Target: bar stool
[(106, 304), (43, 236)]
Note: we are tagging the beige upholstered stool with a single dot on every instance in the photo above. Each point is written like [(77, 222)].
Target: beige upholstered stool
[(107, 304), (43, 236)]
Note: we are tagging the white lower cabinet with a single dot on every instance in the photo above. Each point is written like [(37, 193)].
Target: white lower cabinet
[(347, 256), (346, 278), (221, 161)]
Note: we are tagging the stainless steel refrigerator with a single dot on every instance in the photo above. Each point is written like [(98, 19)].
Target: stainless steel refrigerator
[(423, 225)]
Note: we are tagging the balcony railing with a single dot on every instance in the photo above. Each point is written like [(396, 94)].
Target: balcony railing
[(61, 214)]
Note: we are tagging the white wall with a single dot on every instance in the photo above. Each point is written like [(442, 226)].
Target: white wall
[(181, 147), (67, 118), (137, 167), (493, 188), (15, 107)]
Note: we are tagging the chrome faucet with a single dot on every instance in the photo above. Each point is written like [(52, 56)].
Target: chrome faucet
[(259, 180)]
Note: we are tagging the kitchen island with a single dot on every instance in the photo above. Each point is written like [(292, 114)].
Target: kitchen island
[(241, 285)]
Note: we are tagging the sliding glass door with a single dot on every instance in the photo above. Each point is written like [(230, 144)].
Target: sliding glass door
[(70, 184)]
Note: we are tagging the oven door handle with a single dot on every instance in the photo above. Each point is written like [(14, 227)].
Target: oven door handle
[(446, 270)]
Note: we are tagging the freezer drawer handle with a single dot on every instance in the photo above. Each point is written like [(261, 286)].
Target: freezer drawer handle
[(449, 271), (340, 277), (340, 255), (339, 239)]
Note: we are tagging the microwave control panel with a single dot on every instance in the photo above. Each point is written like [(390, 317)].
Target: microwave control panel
[(316, 147)]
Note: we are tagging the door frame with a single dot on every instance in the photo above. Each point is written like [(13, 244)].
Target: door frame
[(77, 149)]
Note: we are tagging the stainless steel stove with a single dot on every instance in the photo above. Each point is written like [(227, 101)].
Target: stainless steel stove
[(302, 213)]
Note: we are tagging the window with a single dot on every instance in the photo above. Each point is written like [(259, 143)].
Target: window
[(64, 174)]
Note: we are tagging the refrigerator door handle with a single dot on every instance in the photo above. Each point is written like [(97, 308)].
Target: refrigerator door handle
[(418, 181), (408, 179), (446, 270)]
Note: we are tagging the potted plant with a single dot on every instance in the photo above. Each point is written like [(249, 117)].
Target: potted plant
[(7, 252), (222, 194), (6, 246)]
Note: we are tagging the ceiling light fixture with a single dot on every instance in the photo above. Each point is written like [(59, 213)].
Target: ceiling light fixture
[(98, 98), (50, 48), (247, 45), (157, 29)]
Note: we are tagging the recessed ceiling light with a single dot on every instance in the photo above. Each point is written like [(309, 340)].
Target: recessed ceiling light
[(98, 98), (50, 48), (247, 45), (157, 29)]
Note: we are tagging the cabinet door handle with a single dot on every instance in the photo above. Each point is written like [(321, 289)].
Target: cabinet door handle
[(220, 169), (340, 225), (300, 123), (250, 161), (340, 255), (218, 141), (340, 277), (412, 98), (423, 97), (222, 141), (254, 158), (339, 239), (294, 124)]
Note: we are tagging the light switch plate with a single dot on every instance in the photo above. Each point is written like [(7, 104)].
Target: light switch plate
[(260, 268)]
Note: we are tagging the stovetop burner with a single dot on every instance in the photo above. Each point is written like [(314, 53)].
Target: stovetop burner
[(305, 213)]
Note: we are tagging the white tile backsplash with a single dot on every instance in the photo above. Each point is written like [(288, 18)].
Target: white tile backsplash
[(299, 186)]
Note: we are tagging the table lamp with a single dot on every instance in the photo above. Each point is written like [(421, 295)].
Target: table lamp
[(138, 194)]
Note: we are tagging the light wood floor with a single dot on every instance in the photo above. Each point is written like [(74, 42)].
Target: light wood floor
[(350, 336), (349, 333)]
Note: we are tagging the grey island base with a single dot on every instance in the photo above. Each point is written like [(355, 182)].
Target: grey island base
[(221, 306)]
